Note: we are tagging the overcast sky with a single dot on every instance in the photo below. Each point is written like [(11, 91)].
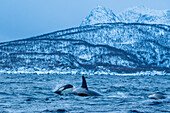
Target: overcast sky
[(25, 18)]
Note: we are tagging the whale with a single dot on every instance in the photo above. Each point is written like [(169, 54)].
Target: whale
[(157, 95), (82, 91), (66, 89)]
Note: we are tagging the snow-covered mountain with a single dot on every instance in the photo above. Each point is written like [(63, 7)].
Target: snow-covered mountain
[(108, 48), (145, 15), (100, 15), (131, 15), (101, 44)]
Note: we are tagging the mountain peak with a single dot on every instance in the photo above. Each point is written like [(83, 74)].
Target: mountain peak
[(145, 10), (99, 14), (141, 14)]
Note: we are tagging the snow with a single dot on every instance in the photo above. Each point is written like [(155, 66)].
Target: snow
[(85, 56), (143, 73), (128, 45), (74, 72), (138, 14), (142, 14), (146, 11), (100, 15)]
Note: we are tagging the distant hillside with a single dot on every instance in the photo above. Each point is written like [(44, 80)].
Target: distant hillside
[(107, 47)]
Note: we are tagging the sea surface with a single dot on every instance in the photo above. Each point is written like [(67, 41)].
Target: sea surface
[(33, 93)]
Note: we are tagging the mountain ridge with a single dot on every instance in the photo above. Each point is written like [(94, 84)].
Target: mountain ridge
[(145, 15), (136, 14), (109, 48), (100, 14), (72, 51)]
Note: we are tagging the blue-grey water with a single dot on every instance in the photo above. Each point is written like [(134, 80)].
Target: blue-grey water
[(32, 93)]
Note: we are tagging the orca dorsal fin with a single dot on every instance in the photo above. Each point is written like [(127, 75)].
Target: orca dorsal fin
[(84, 84)]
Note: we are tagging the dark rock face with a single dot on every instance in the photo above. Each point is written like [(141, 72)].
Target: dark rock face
[(114, 47)]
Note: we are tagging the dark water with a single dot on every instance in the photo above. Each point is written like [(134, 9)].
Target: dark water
[(122, 94)]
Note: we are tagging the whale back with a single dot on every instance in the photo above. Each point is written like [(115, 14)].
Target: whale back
[(64, 89), (84, 84)]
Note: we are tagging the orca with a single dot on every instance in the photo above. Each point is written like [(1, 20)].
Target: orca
[(157, 95), (66, 89), (82, 91)]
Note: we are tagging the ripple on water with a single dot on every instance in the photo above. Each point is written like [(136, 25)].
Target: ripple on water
[(33, 93)]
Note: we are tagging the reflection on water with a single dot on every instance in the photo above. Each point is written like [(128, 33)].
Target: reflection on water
[(33, 93)]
